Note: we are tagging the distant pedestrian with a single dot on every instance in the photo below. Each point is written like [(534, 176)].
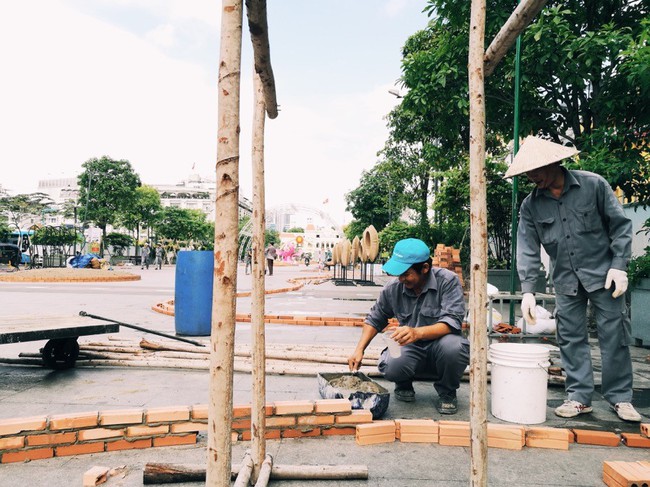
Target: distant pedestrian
[(247, 260), (270, 253), (159, 256), (145, 256)]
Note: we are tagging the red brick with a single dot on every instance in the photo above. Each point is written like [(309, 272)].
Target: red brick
[(533, 442), (453, 440), (338, 431), (592, 437), (166, 414), (417, 426), (128, 445), (242, 411), (188, 427), (418, 437), (356, 416), (635, 440), (73, 421), (317, 420), (175, 440), (163, 429), (507, 444), (95, 476), (645, 429), (200, 411), (293, 407), (16, 425), (12, 442), (21, 456), (333, 406), (52, 439), (376, 428), (279, 421), (374, 439), (298, 433), (100, 433), (241, 424), (270, 435), (121, 416), (79, 449)]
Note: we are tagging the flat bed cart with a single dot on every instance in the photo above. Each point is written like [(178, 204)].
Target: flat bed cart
[(61, 350)]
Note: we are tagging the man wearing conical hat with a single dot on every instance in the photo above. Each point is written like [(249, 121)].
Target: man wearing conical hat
[(576, 217)]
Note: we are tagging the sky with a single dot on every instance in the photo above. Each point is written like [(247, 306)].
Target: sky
[(136, 80)]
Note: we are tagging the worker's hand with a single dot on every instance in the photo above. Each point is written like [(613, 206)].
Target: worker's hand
[(405, 335), (619, 278), (354, 360), (528, 305)]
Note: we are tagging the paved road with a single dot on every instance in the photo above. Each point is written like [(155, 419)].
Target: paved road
[(28, 391)]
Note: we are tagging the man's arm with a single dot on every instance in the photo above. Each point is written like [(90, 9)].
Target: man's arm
[(406, 334), (619, 228), (367, 334), (528, 251)]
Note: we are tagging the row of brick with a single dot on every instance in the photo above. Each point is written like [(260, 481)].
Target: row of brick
[(167, 307), (26, 277), (512, 437), (92, 432), (624, 474)]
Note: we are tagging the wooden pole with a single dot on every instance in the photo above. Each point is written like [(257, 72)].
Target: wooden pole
[(258, 417), (258, 26), (265, 472), (170, 473), (522, 16), (478, 302), (244, 475), (222, 339)]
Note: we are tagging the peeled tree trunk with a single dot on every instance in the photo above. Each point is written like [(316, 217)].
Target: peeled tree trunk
[(222, 342), (478, 273)]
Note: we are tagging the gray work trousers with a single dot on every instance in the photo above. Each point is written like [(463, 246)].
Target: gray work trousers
[(443, 360), (613, 338)]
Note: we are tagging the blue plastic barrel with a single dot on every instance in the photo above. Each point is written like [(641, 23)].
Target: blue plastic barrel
[(193, 292)]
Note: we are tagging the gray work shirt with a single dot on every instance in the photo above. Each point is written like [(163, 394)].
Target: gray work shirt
[(441, 300), (584, 231)]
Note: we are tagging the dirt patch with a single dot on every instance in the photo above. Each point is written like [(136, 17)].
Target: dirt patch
[(68, 275)]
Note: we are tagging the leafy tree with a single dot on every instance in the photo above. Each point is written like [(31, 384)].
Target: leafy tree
[(271, 237), (145, 212), (107, 189), (296, 230), (376, 201), (17, 208), (392, 233), (119, 242), (183, 224)]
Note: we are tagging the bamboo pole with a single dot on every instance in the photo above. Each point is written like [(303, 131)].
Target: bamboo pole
[(244, 475), (222, 339), (520, 18), (258, 347), (478, 303), (265, 472)]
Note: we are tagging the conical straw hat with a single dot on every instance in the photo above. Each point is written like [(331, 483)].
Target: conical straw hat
[(535, 153)]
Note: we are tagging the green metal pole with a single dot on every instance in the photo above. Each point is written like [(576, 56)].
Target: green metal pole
[(515, 186)]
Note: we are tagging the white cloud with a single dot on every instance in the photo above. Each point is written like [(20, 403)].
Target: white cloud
[(162, 35), (77, 88), (392, 8)]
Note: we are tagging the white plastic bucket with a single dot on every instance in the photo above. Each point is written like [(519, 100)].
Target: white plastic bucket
[(519, 382)]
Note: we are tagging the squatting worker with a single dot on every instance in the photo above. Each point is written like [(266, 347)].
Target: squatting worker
[(576, 217), (429, 306)]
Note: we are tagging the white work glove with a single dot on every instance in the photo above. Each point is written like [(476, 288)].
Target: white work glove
[(528, 305), (619, 278)]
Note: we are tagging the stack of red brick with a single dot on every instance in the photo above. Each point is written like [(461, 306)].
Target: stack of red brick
[(75, 434), (626, 474), (448, 258), (510, 437)]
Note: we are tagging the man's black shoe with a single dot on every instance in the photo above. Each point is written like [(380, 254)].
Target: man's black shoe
[(447, 405), (406, 395)]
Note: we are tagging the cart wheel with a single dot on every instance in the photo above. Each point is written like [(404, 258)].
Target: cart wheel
[(60, 353)]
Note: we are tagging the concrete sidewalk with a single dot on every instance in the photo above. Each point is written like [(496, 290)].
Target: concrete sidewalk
[(28, 391)]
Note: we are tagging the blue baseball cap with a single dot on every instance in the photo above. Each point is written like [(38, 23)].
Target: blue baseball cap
[(406, 253)]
